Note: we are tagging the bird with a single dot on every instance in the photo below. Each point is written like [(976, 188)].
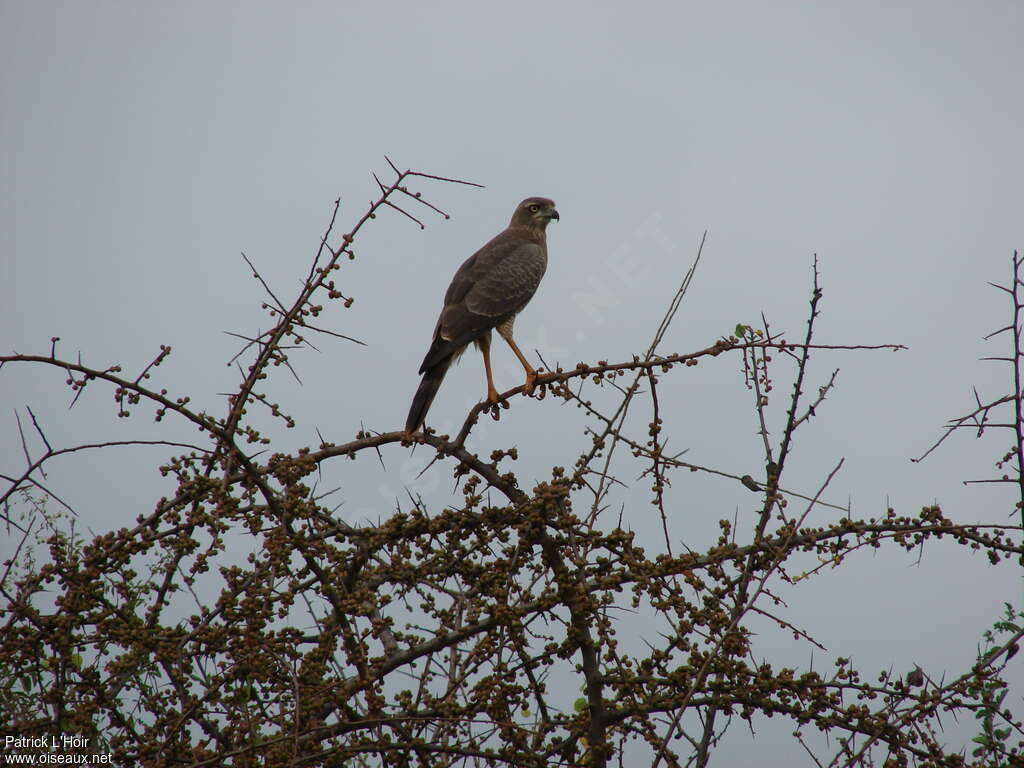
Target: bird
[(487, 292)]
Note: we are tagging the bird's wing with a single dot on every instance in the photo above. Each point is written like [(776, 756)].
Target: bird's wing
[(507, 280), (493, 284)]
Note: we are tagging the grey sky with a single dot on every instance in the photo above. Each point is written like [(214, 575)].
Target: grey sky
[(145, 144)]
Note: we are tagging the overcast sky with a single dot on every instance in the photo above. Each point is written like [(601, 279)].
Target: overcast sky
[(145, 145)]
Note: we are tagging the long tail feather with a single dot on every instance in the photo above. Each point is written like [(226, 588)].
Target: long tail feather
[(424, 396)]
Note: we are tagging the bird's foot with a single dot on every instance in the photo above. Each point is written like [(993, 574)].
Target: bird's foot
[(531, 379), (492, 396), (495, 404)]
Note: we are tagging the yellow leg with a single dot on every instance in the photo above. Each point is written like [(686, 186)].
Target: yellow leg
[(485, 349), (531, 374)]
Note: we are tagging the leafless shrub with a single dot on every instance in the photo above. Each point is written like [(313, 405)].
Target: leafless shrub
[(433, 637)]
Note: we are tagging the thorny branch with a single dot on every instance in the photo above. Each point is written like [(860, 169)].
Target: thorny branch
[(482, 631)]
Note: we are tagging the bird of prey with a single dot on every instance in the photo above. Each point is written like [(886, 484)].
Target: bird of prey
[(488, 291)]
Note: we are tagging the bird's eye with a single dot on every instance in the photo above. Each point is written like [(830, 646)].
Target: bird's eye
[(533, 208)]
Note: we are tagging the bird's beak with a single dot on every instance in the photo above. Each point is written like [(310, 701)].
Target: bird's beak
[(554, 215)]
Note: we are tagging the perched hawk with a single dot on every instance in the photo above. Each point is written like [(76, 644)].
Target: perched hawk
[(488, 291)]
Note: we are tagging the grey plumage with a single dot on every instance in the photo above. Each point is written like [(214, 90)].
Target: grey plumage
[(490, 288)]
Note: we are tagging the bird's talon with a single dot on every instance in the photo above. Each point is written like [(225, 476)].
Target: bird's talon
[(505, 404)]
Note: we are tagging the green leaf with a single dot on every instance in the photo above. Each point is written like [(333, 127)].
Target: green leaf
[(741, 330), (580, 705)]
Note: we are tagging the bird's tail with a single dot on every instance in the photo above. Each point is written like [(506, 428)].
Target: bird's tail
[(424, 396)]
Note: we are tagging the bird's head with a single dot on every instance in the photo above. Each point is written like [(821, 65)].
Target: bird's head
[(534, 212)]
